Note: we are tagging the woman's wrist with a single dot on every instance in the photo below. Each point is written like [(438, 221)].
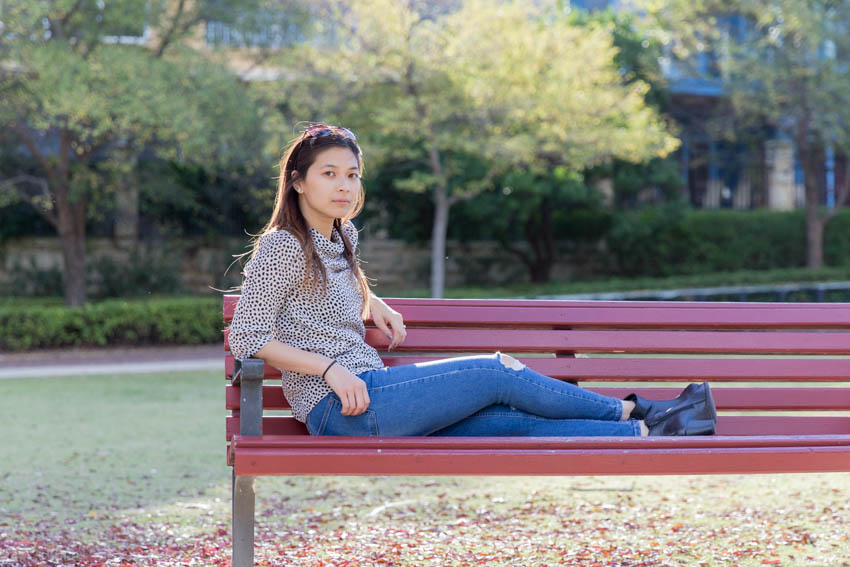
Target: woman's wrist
[(333, 362)]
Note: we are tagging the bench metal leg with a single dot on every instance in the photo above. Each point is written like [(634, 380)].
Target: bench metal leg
[(243, 521)]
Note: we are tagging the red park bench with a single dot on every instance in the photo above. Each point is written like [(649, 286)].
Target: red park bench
[(787, 359)]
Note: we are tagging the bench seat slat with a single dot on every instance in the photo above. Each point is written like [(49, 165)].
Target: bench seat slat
[(726, 425), (660, 369), (727, 399), (536, 443), (593, 461)]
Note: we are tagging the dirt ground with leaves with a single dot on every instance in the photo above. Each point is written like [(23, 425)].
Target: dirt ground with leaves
[(784, 520)]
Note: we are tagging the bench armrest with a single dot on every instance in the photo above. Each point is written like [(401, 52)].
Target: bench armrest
[(248, 375)]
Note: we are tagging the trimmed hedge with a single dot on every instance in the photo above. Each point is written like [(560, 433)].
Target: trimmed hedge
[(159, 321), (668, 241)]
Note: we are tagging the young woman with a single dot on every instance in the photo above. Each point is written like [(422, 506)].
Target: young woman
[(304, 299)]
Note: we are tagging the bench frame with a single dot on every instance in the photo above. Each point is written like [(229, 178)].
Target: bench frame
[(744, 444)]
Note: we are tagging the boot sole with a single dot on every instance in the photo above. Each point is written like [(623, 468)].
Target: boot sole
[(700, 427)]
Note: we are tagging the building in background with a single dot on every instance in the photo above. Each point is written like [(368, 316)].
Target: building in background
[(762, 171)]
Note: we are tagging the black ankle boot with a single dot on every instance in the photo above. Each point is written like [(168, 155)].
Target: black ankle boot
[(652, 411), (684, 420)]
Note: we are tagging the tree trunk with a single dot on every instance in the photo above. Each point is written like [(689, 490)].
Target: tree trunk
[(74, 258), (72, 235), (438, 241), (541, 239), (814, 236), (812, 160), (540, 233)]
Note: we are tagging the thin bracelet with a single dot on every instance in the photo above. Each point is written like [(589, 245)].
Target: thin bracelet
[(328, 368)]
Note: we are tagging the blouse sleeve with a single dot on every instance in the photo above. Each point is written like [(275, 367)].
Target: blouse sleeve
[(270, 278)]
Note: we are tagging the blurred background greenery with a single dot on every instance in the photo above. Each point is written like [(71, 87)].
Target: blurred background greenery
[(592, 145)]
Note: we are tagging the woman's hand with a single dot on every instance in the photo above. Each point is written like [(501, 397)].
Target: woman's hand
[(351, 390), (387, 320)]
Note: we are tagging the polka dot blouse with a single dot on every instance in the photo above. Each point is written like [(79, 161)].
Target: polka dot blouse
[(274, 305)]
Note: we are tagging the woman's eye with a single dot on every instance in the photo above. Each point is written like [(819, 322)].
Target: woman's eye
[(329, 173)]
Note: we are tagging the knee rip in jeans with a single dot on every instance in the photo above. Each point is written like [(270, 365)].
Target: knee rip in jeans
[(510, 362)]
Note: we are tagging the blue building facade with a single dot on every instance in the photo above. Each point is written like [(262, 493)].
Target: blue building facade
[(756, 169)]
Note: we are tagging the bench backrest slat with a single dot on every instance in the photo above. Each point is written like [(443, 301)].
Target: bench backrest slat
[(582, 313), (613, 341)]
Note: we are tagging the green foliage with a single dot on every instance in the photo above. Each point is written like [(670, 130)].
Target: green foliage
[(185, 199), (519, 202), (514, 84), (19, 219), (30, 280), (185, 320), (85, 108), (836, 244), (144, 272), (638, 52), (540, 86), (669, 240)]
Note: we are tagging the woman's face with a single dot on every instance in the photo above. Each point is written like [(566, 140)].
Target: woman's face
[(330, 187)]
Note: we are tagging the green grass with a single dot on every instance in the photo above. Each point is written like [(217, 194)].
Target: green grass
[(132, 468), (720, 279), (90, 443)]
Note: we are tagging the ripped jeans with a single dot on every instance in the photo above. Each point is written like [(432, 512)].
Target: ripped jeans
[(489, 395)]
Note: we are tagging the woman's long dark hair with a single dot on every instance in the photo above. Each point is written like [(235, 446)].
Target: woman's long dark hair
[(287, 214)]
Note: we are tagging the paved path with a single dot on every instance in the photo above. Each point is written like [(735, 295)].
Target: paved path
[(110, 360)]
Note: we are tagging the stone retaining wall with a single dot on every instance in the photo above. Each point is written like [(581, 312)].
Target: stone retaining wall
[(395, 265)]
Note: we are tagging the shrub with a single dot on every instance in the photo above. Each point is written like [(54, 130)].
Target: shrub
[(157, 321), (671, 240), (28, 279), (144, 272)]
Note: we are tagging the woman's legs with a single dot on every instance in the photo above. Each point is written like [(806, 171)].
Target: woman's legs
[(500, 420), (421, 399)]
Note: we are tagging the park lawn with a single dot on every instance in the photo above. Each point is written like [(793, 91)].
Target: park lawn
[(129, 470)]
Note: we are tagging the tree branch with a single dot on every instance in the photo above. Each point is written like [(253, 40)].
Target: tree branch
[(86, 154), (71, 12), (519, 253), (169, 35), (41, 184), (262, 57), (30, 144)]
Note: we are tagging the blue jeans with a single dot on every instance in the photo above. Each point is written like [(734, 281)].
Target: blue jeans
[(472, 396)]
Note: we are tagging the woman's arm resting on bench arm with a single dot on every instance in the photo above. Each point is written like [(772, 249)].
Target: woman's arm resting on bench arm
[(350, 389), (387, 320)]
